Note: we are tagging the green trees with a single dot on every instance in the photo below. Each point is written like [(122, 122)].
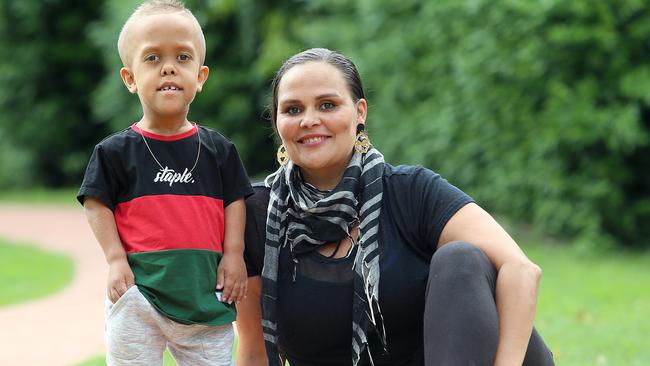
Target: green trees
[(48, 70), (539, 109), (233, 99)]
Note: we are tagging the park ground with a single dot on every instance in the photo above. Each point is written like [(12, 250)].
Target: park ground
[(592, 307)]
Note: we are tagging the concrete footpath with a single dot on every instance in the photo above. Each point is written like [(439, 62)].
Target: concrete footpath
[(65, 328)]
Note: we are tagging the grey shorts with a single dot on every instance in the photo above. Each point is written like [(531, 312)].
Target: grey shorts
[(137, 334)]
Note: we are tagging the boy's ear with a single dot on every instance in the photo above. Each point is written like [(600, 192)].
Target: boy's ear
[(128, 79), (203, 76)]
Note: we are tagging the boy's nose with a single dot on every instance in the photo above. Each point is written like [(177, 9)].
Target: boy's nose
[(168, 69)]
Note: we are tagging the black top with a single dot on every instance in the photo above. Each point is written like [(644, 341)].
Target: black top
[(122, 169), (315, 311), (170, 218)]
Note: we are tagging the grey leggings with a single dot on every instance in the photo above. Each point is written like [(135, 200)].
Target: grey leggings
[(461, 325)]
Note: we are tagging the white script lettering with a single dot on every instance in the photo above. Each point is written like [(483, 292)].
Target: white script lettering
[(170, 176)]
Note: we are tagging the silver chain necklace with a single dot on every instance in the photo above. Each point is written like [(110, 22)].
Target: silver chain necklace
[(198, 151)]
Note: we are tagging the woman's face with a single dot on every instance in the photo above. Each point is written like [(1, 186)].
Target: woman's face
[(317, 119)]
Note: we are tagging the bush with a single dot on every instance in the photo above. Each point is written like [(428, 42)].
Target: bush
[(538, 109)]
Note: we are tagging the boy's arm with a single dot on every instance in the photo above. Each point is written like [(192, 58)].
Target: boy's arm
[(231, 274), (102, 222)]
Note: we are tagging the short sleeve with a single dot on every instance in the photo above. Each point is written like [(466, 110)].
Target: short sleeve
[(255, 233), (235, 180), (423, 202), (100, 179)]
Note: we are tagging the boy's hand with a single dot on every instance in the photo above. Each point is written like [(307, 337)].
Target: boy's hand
[(232, 278), (120, 278)]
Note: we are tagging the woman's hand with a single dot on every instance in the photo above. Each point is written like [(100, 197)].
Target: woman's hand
[(232, 278)]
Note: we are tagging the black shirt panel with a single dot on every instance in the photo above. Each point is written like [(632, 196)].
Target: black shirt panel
[(122, 168), (327, 302), (255, 231), (315, 310), (421, 202)]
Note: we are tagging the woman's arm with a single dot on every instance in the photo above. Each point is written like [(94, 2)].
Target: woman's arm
[(250, 341), (517, 280)]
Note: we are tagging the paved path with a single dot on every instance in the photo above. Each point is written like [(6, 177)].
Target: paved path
[(67, 327)]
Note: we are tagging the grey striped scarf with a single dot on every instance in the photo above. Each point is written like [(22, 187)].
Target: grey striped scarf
[(305, 218)]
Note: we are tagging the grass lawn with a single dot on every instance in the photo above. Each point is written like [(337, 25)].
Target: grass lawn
[(101, 361), (27, 272), (593, 308), (41, 196), (168, 360)]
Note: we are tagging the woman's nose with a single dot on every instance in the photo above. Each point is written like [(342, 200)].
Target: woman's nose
[(310, 119)]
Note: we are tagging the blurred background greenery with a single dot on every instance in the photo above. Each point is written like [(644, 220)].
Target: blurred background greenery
[(539, 109)]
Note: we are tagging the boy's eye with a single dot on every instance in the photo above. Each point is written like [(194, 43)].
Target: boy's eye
[(152, 58), (327, 105), (184, 57)]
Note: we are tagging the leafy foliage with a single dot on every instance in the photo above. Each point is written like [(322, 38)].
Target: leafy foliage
[(234, 97), (539, 109), (48, 68)]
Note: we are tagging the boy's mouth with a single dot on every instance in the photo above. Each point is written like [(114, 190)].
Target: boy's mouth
[(169, 87)]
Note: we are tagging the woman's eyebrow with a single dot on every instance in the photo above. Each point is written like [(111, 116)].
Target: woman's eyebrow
[(328, 95), (321, 96)]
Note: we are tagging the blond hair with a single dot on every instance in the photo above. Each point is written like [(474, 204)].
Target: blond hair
[(154, 7)]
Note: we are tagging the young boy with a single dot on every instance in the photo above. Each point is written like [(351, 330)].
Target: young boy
[(164, 199)]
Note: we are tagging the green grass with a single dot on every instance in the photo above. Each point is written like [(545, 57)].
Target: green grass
[(593, 308), (27, 272), (101, 361), (47, 196), (168, 360)]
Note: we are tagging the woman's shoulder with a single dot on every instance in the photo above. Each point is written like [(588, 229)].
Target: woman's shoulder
[(403, 176), (260, 196), (255, 232)]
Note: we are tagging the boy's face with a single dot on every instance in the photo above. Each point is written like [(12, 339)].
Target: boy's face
[(165, 67)]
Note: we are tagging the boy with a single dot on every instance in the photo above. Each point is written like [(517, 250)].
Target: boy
[(164, 199)]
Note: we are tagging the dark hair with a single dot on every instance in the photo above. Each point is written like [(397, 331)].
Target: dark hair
[(347, 68)]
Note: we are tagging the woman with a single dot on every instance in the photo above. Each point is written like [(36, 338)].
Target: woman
[(357, 254)]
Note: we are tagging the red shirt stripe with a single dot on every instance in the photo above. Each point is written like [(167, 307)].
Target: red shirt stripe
[(162, 222)]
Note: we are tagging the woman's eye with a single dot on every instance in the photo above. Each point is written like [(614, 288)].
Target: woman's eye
[(327, 105), (293, 110), (184, 57), (152, 58)]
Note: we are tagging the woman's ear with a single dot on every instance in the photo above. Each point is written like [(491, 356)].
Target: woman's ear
[(128, 79), (362, 110)]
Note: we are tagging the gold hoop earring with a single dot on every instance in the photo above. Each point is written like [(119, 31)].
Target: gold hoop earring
[(362, 141), (282, 155)]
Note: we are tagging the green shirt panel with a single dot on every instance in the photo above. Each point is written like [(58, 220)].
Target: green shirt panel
[(181, 283)]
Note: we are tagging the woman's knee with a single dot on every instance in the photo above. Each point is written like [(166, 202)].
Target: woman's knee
[(458, 260), (458, 252)]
